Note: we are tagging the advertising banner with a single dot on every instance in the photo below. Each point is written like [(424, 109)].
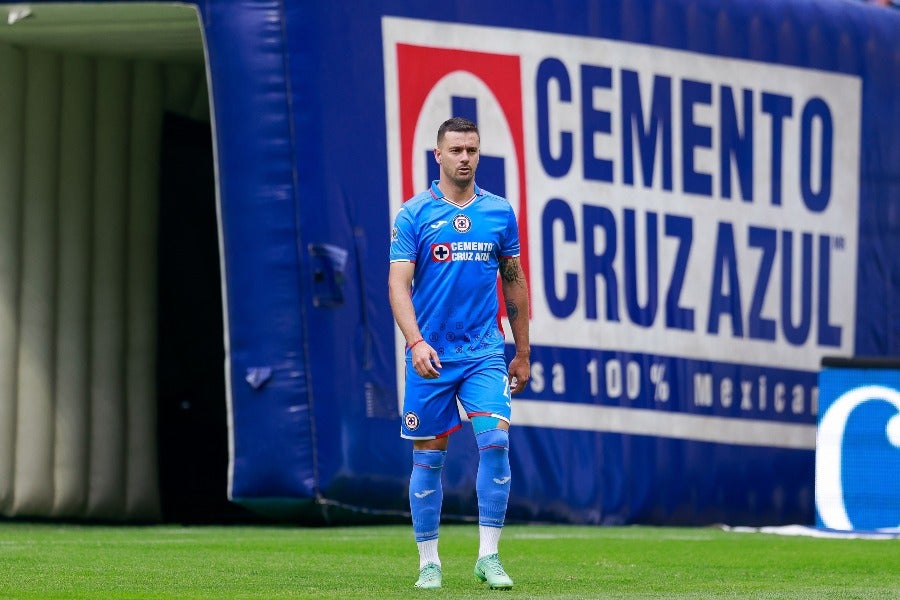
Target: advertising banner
[(683, 217), (857, 442)]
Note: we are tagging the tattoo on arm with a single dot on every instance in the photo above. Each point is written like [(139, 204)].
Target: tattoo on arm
[(510, 270), (512, 311)]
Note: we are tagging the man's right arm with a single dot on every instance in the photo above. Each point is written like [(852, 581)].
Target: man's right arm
[(400, 279), (424, 357)]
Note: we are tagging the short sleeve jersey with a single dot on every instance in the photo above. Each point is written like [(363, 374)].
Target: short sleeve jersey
[(456, 251)]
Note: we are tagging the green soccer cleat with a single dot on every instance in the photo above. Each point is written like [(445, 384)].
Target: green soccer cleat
[(429, 577), (488, 568)]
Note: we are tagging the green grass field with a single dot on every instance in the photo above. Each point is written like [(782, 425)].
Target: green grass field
[(70, 561)]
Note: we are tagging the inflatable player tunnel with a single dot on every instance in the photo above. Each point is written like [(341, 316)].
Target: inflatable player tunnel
[(195, 210)]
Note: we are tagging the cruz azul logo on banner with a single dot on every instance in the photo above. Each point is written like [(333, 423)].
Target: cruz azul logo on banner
[(689, 222)]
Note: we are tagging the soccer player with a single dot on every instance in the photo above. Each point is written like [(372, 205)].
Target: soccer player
[(447, 245)]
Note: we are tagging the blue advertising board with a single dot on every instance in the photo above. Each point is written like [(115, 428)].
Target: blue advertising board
[(704, 195), (857, 443)]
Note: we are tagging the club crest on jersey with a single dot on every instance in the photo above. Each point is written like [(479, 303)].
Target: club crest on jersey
[(462, 223), (412, 421), (394, 234), (441, 253)]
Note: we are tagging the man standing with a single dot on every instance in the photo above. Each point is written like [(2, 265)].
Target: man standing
[(447, 246)]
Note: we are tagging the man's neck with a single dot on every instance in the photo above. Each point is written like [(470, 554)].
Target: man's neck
[(455, 194)]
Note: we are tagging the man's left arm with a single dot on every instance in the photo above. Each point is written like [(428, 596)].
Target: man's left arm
[(515, 295)]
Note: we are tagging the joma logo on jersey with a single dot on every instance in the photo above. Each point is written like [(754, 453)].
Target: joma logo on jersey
[(434, 84)]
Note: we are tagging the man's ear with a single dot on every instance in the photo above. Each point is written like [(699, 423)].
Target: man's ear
[(437, 155)]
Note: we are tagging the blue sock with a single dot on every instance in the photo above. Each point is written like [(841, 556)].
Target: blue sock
[(426, 493), (492, 483)]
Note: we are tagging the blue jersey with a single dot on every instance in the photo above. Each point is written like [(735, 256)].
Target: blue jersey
[(456, 251)]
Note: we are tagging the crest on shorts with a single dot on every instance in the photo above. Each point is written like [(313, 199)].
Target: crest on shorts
[(412, 420), (462, 223)]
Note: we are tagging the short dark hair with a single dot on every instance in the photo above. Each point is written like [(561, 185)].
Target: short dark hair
[(459, 124)]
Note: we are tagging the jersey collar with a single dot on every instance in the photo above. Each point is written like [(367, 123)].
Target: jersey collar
[(438, 195)]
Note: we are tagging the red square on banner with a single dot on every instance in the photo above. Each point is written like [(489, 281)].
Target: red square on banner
[(420, 70)]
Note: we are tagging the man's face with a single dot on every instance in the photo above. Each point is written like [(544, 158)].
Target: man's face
[(458, 156)]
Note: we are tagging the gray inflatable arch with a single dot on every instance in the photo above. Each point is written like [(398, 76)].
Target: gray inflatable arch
[(84, 89)]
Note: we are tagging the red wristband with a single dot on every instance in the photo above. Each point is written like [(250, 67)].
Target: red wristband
[(416, 342)]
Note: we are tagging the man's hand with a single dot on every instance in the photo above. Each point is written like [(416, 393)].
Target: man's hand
[(425, 360), (519, 373)]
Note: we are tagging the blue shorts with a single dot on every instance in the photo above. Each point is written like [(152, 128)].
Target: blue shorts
[(429, 407)]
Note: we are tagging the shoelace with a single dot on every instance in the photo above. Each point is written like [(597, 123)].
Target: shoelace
[(430, 572), (494, 566)]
